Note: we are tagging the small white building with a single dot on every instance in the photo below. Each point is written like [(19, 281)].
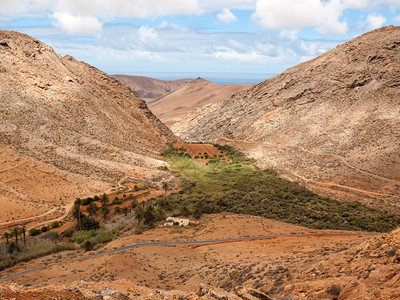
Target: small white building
[(170, 221)]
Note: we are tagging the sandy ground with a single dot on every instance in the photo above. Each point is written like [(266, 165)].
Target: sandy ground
[(30, 188), (263, 263)]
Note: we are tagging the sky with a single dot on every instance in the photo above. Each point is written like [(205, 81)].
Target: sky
[(189, 37)]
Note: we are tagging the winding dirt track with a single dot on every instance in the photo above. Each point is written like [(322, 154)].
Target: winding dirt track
[(183, 243)]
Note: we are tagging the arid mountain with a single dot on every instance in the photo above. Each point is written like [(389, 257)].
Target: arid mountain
[(150, 88), (332, 122), (177, 104), (66, 128)]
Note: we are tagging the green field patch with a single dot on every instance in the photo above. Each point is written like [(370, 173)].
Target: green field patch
[(240, 187)]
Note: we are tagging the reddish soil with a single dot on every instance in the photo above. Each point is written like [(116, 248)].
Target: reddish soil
[(199, 150), (260, 263)]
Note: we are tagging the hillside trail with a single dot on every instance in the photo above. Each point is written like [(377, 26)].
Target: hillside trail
[(341, 158), (184, 243), (67, 208), (330, 184), (18, 222)]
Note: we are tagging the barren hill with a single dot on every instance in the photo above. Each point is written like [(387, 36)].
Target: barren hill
[(332, 122), (66, 128), (175, 105), (150, 88)]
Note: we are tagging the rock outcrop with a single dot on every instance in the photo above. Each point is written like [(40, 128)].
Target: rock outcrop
[(367, 271), (67, 124), (332, 122)]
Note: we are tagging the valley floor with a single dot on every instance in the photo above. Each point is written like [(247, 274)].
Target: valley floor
[(267, 264)]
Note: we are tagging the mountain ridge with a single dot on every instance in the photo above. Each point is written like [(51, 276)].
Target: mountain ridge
[(332, 122), (173, 106), (150, 88), (70, 121)]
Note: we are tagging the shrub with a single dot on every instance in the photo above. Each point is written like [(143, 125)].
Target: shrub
[(68, 233), (141, 229), (12, 247), (163, 168), (88, 245), (44, 229), (87, 201), (50, 235), (92, 209), (55, 224), (117, 200), (95, 236), (34, 231), (90, 223)]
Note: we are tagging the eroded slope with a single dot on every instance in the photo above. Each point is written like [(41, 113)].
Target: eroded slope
[(68, 120)]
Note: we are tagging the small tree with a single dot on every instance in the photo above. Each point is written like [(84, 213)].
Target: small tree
[(117, 209), (15, 233), (6, 236), (105, 210), (90, 224), (104, 200), (149, 215), (117, 200), (77, 212), (165, 188), (34, 231), (92, 209), (23, 231), (125, 210), (12, 247), (139, 213), (134, 204)]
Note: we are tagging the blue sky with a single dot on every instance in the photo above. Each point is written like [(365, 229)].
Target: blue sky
[(194, 36)]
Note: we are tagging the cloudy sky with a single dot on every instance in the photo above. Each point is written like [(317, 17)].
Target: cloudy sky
[(195, 36)]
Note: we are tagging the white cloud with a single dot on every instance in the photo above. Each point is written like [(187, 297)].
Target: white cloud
[(128, 9), (324, 15), (77, 25), (90, 14), (375, 21), (396, 19), (147, 35), (167, 25), (27, 8), (216, 5), (296, 15), (226, 16)]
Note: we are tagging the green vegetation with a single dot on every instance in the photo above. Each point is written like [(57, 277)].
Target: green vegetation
[(34, 249), (239, 187), (90, 238)]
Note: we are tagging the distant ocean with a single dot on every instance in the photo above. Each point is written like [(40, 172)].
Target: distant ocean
[(218, 78)]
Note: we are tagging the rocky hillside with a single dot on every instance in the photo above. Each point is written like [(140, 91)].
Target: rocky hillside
[(332, 122), (150, 88), (197, 93), (367, 271), (67, 128)]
